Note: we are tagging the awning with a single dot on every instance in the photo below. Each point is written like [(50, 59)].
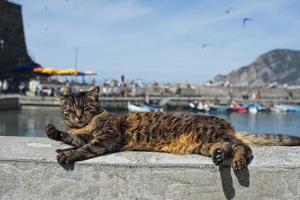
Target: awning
[(60, 72), (63, 72)]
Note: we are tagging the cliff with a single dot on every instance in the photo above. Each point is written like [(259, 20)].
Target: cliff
[(281, 66)]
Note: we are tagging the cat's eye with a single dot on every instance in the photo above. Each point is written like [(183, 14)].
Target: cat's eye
[(88, 109), (67, 111)]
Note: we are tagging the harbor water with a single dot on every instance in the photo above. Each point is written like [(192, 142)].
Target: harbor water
[(30, 123)]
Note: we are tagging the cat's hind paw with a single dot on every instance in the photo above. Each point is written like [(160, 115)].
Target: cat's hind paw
[(218, 156), (241, 163)]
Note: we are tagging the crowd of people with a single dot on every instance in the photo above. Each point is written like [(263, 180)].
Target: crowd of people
[(10, 86), (49, 87)]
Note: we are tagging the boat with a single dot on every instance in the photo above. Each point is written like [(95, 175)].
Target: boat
[(198, 107), (292, 108), (253, 110), (256, 107), (279, 108), (286, 108), (143, 108), (235, 107), (219, 109)]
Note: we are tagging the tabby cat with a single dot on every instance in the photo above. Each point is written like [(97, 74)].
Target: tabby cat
[(94, 132)]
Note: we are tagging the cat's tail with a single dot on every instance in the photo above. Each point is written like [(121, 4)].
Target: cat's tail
[(268, 139)]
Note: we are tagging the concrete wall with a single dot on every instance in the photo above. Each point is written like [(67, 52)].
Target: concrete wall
[(28, 170)]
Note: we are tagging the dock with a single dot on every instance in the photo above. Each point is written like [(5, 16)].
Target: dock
[(15, 102)]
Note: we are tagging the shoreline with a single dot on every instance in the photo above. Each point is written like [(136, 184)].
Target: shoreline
[(16, 102)]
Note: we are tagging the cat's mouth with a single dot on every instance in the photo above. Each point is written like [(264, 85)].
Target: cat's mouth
[(76, 123)]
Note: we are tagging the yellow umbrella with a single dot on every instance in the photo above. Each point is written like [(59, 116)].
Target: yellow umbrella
[(49, 71), (62, 72), (67, 72)]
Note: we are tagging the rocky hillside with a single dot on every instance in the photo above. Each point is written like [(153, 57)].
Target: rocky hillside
[(280, 66)]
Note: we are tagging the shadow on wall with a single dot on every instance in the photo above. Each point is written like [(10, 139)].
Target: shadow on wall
[(243, 178)]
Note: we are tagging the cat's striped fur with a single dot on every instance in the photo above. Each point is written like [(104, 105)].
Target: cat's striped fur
[(94, 132)]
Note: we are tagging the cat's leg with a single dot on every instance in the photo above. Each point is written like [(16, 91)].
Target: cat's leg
[(76, 141), (93, 149), (240, 153), (242, 156), (218, 151)]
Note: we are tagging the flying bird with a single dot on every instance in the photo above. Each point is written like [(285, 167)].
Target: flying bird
[(245, 20), (46, 8), (205, 45), (228, 11)]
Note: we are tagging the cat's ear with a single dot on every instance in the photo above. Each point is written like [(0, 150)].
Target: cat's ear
[(61, 97), (94, 93)]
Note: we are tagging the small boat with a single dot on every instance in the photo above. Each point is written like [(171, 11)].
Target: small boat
[(286, 108), (143, 108), (253, 110), (279, 108), (238, 108), (294, 109), (219, 109), (198, 107), (256, 107)]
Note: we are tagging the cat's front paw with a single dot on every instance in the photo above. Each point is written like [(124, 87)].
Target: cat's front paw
[(66, 157), (52, 132)]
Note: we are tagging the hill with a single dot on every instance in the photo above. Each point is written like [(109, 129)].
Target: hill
[(281, 66)]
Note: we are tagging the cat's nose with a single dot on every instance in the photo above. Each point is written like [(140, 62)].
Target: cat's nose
[(78, 114)]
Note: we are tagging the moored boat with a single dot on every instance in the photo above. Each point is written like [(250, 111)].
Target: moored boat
[(279, 108), (143, 108), (235, 107), (294, 109), (256, 107), (198, 107), (219, 109)]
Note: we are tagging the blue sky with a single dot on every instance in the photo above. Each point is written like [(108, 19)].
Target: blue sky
[(157, 40)]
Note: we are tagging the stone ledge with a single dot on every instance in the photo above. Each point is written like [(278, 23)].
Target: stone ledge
[(28, 170)]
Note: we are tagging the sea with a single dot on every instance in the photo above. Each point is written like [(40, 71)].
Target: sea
[(30, 122)]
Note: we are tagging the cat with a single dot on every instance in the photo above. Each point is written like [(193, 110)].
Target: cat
[(94, 132)]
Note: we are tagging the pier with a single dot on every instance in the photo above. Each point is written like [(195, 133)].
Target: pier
[(14, 102)]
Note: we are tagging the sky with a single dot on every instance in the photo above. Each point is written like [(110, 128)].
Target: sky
[(157, 40)]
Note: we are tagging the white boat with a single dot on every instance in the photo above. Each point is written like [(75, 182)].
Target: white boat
[(143, 108), (253, 110), (286, 108), (279, 108), (198, 107)]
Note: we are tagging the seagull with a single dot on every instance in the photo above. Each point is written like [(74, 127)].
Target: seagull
[(228, 11), (205, 45), (245, 20)]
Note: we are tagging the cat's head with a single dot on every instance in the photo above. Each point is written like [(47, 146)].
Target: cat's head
[(78, 109)]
